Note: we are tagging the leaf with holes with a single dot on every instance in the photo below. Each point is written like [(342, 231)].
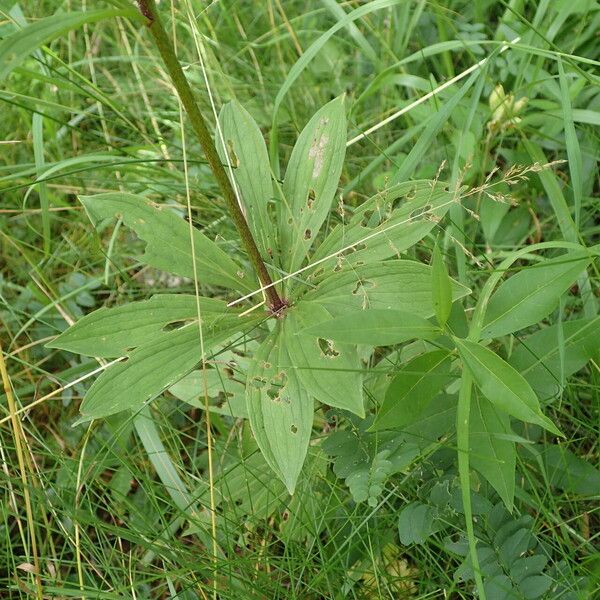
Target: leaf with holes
[(492, 453), (328, 371), (413, 388), (279, 408), (311, 180), (388, 223), (168, 240), (150, 369), (376, 327), (532, 294), (246, 152), (502, 385), (111, 332), (403, 285)]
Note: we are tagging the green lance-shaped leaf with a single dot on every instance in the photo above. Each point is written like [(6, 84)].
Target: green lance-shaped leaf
[(388, 223), (502, 385), (492, 453), (547, 357), (532, 294), (279, 408), (16, 47), (311, 180), (376, 327), (150, 369), (245, 151), (168, 240), (399, 284), (328, 371), (442, 288), (111, 332), (412, 389)]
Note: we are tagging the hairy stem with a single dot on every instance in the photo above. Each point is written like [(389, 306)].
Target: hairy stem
[(167, 52)]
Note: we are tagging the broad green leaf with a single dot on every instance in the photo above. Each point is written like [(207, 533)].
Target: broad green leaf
[(111, 332), (569, 472), (168, 240), (227, 395), (400, 284), (416, 523), (311, 180), (150, 370), (328, 371), (413, 388), (551, 355), (442, 288), (530, 295), (279, 408), (502, 385), (246, 152), (376, 327), (15, 48), (491, 453), (387, 224)]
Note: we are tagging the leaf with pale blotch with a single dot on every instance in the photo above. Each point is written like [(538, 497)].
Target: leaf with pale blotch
[(502, 385), (150, 369), (311, 180), (245, 151), (412, 389), (397, 284), (329, 371), (492, 453), (167, 238), (279, 408), (376, 327), (532, 294), (111, 332), (387, 224)]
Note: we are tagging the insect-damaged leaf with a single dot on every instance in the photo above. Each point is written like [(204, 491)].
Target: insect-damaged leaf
[(279, 408), (399, 284), (412, 389), (502, 385), (150, 369), (328, 371), (491, 452), (311, 180), (168, 240), (388, 223), (376, 327), (530, 295), (110, 332), (246, 152)]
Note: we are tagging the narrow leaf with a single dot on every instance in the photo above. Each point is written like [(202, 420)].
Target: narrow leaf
[(168, 240), (442, 288), (311, 180), (502, 385), (376, 327), (532, 294), (15, 48)]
